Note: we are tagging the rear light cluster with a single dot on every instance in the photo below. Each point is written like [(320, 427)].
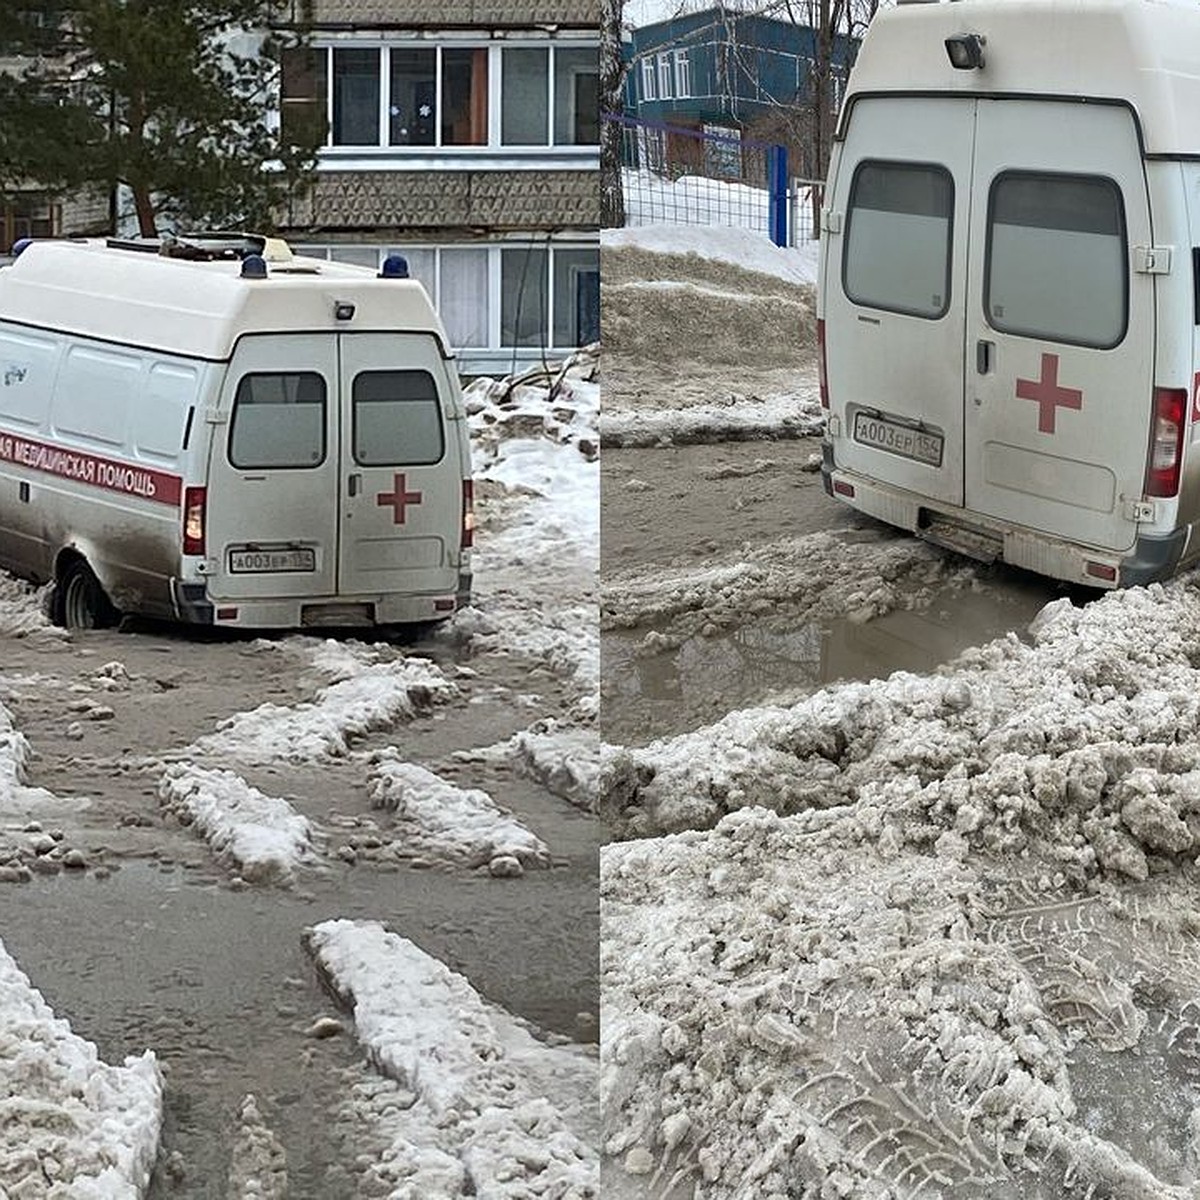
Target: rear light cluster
[(822, 370), (194, 503), (468, 511), (1166, 441)]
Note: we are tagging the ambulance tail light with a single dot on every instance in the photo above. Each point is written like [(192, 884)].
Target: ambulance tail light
[(195, 501), (822, 372), (468, 511), (1166, 442)]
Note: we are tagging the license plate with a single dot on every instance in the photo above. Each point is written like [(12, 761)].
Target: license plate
[(899, 439), (247, 562)]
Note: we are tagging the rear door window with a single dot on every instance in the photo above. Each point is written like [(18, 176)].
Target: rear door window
[(898, 237), (278, 421), (397, 419), (1057, 265)]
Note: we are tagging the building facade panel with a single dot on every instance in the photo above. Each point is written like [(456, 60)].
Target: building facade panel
[(516, 200), (416, 13)]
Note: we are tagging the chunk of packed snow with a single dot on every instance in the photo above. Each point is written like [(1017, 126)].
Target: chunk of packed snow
[(455, 824), (564, 760), (491, 1111), (262, 836), (71, 1126), (372, 695), (740, 418)]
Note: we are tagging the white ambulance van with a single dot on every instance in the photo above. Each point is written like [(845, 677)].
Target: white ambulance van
[(226, 434), (1009, 298)]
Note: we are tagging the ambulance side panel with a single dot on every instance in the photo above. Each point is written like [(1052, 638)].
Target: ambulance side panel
[(95, 445)]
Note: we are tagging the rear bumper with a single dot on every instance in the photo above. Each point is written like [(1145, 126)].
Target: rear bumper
[(1152, 557), (194, 605)]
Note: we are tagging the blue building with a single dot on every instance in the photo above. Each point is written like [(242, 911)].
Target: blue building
[(724, 71)]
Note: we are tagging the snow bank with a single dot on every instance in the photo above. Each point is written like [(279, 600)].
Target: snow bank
[(538, 443), (439, 819), (71, 1126), (747, 248), (1087, 738), (790, 580), (737, 418), (261, 836), (22, 611), (958, 959), (563, 760), (485, 1108), (367, 695)]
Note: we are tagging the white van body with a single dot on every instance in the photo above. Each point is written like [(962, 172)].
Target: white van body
[(181, 441), (1009, 296)]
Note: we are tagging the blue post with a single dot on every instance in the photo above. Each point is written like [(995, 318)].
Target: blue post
[(777, 187)]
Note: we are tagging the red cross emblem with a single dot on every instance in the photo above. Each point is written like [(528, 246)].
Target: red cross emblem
[(1048, 394), (398, 500)]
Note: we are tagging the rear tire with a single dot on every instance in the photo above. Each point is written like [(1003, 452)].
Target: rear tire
[(79, 600)]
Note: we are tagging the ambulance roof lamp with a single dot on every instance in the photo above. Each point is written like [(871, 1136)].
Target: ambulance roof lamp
[(966, 51)]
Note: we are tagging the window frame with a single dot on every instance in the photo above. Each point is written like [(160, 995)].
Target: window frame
[(902, 164), (664, 76), (683, 75), (649, 79), (323, 53), (236, 406), (1041, 335)]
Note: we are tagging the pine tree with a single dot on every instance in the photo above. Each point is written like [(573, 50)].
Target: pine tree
[(169, 98)]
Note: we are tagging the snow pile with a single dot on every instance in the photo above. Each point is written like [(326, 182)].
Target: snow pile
[(789, 581), (441, 820), (366, 695), (959, 959), (563, 760), (542, 452), (258, 1168), (670, 311), (737, 418), (23, 611), (746, 248), (805, 1008), (16, 797), (71, 1126), (482, 1107), (261, 836), (1087, 740)]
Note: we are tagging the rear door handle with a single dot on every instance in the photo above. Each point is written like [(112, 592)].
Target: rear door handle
[(984, 357), (355, 483)]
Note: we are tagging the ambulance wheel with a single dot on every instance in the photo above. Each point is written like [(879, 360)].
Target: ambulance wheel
[(80, 602)]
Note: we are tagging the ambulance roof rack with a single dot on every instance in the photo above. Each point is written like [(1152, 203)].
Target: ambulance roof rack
[(218, 245)]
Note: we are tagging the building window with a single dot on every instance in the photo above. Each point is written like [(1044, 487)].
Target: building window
[(356, 97), (576, 297), (683, 75), (664, 77), (500, 296), (462, 296), (28, 216), (304, 87), (428, 96), (523, 296), (464, 118), (412, 98), (524, 97), (648, 92), (576, 97)]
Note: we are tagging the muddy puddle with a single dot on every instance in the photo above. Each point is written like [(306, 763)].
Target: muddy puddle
[(217, 983), (647, 696)]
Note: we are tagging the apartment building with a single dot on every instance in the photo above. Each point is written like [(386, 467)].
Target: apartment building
[(465, 137)]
